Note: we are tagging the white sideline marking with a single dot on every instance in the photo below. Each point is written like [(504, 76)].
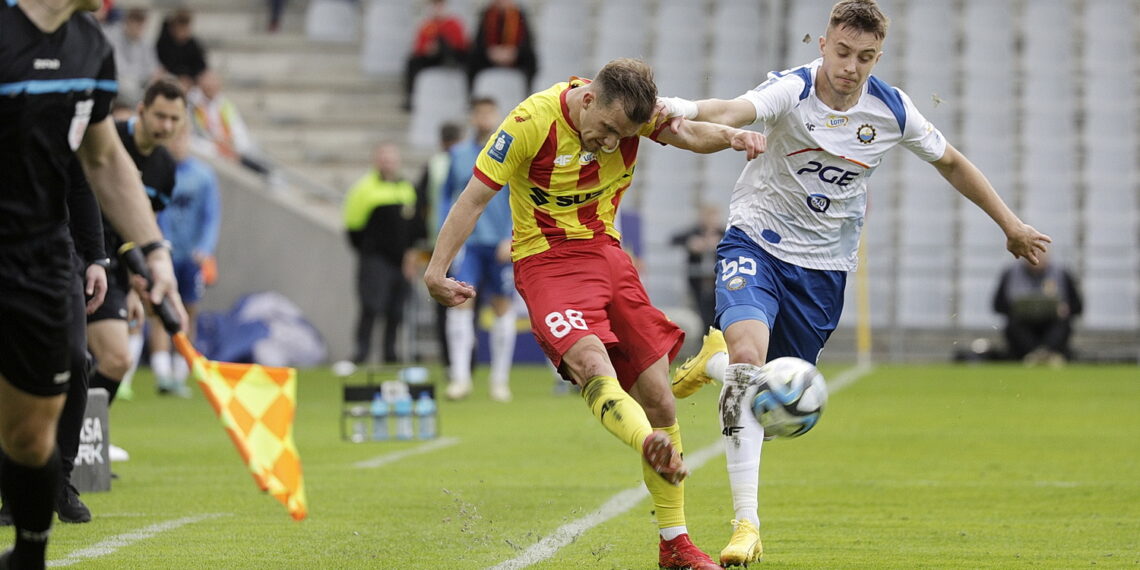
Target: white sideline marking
[(109, 545), (398, 455), (616, 505), (629, 498)]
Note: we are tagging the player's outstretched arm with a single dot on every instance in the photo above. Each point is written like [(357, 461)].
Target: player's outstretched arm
[(455, 230), (116, 182), (706, 138), (1022, 240), (731, 112)]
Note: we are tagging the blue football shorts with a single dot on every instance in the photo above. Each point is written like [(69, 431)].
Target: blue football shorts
[(479, 267), (800, 306)]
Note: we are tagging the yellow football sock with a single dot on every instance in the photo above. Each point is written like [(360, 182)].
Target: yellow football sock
[(617, 410), (668, 499)]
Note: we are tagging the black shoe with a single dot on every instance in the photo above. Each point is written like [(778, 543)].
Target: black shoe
[(5, 557), (70, 508), (5, 515)]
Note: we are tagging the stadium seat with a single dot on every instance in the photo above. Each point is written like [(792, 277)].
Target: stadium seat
[(440, 95), (332, 21), (507, 86), (388, 36), (622, 31)]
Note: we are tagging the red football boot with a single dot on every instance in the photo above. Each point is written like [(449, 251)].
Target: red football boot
[(680, 553)]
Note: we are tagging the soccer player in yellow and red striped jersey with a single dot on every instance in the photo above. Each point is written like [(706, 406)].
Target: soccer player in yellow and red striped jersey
[(567, 156)]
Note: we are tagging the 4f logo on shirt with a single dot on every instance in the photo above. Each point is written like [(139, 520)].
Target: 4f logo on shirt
[(501, 146)]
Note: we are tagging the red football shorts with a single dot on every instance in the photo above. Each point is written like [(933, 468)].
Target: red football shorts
[(590, 287)]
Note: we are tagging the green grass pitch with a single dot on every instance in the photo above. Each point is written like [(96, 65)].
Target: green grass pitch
[(910, 467)]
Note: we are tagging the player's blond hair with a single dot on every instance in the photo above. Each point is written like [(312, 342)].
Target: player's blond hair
[(862, 15), (629, 81)]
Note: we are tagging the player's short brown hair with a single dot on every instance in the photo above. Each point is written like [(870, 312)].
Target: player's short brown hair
[(629, 81), (862, 15), (164, 87)]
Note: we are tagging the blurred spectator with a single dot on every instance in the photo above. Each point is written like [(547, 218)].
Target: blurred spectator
[(276, 8), (504, 40), (1039, 302), (440, 40), (380, 217), (179, 51), (218, 126), (190, 222), (700, 243), (135, 59), (428, 202)]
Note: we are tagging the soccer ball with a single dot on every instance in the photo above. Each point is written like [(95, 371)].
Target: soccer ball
[(791, 397)]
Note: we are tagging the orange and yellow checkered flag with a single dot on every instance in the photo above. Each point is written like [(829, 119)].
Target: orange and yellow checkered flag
[(256, 405)]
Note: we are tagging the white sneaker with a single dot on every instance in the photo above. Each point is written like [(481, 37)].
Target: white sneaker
[(117, 453), (500, 393), (458, 390)]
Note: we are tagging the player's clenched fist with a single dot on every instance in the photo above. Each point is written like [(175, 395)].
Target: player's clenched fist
[(448, 291), (752, 143)]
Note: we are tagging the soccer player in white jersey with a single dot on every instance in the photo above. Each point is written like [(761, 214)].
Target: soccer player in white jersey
[(795, 219)]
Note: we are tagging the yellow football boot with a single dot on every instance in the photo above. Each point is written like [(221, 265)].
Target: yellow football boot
[(743, 547), (691, 375)]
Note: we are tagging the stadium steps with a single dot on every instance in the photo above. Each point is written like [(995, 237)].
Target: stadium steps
[(308, 104)]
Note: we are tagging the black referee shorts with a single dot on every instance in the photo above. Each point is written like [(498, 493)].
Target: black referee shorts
[(115, 303), (36, 312)]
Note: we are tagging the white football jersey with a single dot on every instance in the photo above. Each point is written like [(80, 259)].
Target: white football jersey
[(804, 199)]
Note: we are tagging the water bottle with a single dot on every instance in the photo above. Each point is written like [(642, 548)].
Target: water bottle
[(379, 411), (359, 430), (425, 415), (402, 409)]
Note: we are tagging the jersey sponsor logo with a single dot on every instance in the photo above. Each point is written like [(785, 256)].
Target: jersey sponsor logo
[(539, 197), (730, 431), (45, 63), (577, 199), (830, 174), (501, 146), (866, 134), (563, 159), (818, 202), (835, 121)]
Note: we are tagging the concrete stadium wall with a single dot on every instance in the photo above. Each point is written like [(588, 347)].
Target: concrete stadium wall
[(273, 241)]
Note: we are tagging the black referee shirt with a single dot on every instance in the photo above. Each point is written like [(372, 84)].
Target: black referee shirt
[(157, 169), (51, 87)]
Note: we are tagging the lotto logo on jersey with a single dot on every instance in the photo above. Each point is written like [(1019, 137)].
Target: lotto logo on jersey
[(501, 146)]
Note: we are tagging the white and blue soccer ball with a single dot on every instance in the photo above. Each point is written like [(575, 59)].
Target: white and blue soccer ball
[(791, 397)]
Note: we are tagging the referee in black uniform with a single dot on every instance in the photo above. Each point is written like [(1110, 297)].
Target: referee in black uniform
[(57, 79)]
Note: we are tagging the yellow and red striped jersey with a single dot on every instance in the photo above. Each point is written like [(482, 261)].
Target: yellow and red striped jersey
[(558, 192)]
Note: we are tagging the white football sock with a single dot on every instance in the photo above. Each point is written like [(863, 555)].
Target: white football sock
[(503, 336), (160, 363), (460, 342), (716, 365), (743, 437), (134, 348), (181, 370), (671, 532)]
